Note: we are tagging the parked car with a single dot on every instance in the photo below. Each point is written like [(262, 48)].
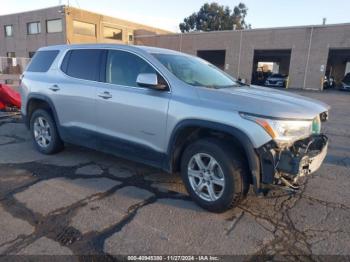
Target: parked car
[(259, 77), (276, 80), (345, 84), (175, 112)]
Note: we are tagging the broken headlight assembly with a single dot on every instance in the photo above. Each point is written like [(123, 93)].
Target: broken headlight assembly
[(297, 149), (284, 131)]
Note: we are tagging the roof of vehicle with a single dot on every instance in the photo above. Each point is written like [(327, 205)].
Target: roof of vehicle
[(147, 49)]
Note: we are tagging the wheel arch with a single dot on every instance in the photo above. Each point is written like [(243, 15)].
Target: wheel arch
[(36, 101), (188, 130)]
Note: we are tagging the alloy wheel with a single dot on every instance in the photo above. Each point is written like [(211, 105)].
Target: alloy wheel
[(206, 177), (42, 132)]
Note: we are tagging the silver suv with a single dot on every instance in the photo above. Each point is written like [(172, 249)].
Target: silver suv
[(175, 112)]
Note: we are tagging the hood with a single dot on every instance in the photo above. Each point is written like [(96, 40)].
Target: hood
[(276, 78), (264, 101)]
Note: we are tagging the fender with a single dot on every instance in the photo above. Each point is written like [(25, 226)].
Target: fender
[(48, 101), (253, 159)]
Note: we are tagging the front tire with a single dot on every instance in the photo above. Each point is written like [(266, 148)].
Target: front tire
[(215, 175), (44, 132)]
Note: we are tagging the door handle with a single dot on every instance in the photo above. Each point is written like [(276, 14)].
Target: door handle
[(105, 95), (54, 88)]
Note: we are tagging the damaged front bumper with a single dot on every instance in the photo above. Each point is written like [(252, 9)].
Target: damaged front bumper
[(285, 167)]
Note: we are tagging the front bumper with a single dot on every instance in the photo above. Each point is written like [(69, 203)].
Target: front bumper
[(303, 158), (276, 84)]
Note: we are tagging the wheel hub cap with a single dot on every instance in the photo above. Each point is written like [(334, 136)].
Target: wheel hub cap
[(206, 177), (42, 132)]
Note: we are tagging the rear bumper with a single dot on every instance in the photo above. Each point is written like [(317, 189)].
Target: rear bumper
[(303, 158)]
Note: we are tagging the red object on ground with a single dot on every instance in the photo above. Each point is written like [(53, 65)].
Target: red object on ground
[(9, 97)]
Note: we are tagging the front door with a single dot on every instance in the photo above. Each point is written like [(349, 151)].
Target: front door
[(131, 120)]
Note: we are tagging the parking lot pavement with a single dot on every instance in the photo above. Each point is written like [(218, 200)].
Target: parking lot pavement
[(85, 202)]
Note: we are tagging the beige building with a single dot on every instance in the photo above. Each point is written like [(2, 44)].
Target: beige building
[(22, 34), (306, 54)]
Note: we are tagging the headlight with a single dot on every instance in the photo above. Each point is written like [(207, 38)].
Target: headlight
[(286, 132)]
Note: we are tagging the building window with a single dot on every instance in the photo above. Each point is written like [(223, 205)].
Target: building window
[(54, 26), (34, 28), (131, 38), (82, 28), (31, 54), (8, 30), (112, 33), (11, 54)]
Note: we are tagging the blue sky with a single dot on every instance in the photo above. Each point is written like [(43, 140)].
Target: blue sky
[(168, 14)]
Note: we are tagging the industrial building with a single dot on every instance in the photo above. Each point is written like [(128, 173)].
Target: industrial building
[(306, 54), (22, 34)]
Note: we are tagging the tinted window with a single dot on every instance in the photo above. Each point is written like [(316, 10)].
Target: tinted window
[(123, 68), (83, 64), (42, 61)]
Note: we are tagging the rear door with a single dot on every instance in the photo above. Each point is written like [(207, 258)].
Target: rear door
[(74, 95), (131, 119)]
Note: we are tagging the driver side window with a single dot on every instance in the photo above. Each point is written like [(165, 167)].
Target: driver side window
[(122, 68)]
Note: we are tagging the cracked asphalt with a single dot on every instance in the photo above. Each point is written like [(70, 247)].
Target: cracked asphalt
[(83, 202)]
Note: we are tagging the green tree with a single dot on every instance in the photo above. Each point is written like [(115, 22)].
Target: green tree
[(215, 17)]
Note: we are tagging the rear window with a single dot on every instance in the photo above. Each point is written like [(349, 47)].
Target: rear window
[(42, 61), (83, 64)]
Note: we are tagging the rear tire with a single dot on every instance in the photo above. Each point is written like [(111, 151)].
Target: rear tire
[(44, 133), (220, 180)]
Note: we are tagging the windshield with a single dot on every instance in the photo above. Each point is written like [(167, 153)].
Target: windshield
[(195, 71)]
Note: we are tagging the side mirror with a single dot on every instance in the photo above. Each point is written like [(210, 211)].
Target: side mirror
[(149, 80)]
